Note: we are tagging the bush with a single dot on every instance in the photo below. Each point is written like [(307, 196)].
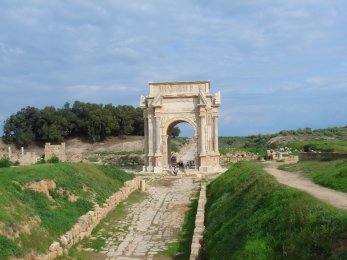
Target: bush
[(41, 160), (5, 162), (53, 159), (309, 148)]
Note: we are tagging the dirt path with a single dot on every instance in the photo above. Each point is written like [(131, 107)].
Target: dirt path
[(190, 153), (335, 198)]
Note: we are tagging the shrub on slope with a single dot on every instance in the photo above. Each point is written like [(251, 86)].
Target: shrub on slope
[(251, 216)]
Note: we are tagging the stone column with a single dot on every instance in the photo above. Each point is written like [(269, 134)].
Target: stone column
[(145, 117), (150, 141), (150, 134), (157, 133), (157, 156), (22, 151), (215, 134), (9, 153), (202, 132), (165, 151), (209, 132)]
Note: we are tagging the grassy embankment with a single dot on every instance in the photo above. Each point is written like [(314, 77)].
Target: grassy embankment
[(20, 206), (332, 174), (251, 216)]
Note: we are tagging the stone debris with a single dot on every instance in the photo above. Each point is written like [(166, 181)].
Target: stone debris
[(55, 150), (42, 186)]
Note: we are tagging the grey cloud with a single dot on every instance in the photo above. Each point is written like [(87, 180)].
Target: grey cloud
[(260, 52)]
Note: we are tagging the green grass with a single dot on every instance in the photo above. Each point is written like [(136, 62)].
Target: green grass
[(325, 140), (9, 248), (251, 216), (322, 145), (180, 249), (332, 174), (17, 204), (5, 162)]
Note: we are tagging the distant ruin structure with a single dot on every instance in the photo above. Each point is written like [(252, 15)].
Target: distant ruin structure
[(170, 103), (55, 150), (22, 157)]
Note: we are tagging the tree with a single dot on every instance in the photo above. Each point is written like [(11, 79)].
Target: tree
[(20, 128), (52, 125), (94, 121), (175, 132)]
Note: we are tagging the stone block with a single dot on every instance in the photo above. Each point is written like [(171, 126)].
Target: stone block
[(143, 185), (54, 246)]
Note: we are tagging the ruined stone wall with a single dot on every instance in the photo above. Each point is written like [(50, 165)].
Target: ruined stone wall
[(28, 158), (89, 221), (238, 157), (321, 156), (198, 234), (55, 150), (24, 158)]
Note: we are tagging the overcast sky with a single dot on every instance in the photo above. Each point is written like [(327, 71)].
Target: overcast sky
[(278, 64)]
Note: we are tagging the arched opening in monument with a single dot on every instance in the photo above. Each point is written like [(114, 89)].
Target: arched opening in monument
[(182, 145)]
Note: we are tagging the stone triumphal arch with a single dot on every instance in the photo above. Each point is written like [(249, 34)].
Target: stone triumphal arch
[(170, 103)]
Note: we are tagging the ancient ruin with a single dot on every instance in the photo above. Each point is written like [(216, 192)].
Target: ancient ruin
[(170, 103), (55, 150), (21, 156)]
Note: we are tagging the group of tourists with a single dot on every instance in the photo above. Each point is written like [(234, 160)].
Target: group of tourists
[(181, 166), (187, 165)]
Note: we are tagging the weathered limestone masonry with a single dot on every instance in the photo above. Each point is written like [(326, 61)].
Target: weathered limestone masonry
[(89, 221), (24, 158), (55, 150), (199, 225), (170, 103)]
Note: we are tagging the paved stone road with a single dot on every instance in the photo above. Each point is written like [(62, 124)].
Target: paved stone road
[(152, 223)]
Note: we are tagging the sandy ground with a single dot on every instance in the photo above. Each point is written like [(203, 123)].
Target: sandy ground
[(335, 198)]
